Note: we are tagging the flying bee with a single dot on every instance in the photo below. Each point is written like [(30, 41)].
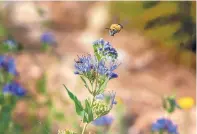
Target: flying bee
[(115, 28)]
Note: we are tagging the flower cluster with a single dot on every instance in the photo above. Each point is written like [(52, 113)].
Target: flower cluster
[(84, 65), (104, 49), (8, 68), (8, 64), (103, 104), (14, 88), (107, 70), (164, 125), (95, 72), (88, 66)]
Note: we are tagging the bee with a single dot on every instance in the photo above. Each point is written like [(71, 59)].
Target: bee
[(115, 28)]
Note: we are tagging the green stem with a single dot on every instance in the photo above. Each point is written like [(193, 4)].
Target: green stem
[(86, 124), (94, 92), (84, 128), (92, 101)]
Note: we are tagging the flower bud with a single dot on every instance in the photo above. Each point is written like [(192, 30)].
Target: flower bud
[(100, 108)]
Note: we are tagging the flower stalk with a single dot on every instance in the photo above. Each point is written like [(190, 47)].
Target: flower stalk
[(84, 128), (95, 72)]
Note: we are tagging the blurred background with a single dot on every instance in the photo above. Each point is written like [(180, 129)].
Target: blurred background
[(157, 49)]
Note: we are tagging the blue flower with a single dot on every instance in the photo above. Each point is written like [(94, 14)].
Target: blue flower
[(103, 120), (102, 69), (165, 125), (107, 46), (98, 42), (8, 64), (113, 96), (108, 71), (84, 64), (14, 88), (113, 52), (105, 49), (48, 38)]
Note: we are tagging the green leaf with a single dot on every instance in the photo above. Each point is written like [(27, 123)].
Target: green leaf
[(41, 85), (78, 106), (88, 111), (85, 118), (169, 104)]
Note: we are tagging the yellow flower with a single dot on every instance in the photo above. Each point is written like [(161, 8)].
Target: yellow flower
[(186, 102)]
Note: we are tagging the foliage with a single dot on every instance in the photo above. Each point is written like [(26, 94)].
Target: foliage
[(11, 90)]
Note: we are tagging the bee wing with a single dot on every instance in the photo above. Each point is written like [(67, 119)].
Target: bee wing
[(125, 22), (116, 19)]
